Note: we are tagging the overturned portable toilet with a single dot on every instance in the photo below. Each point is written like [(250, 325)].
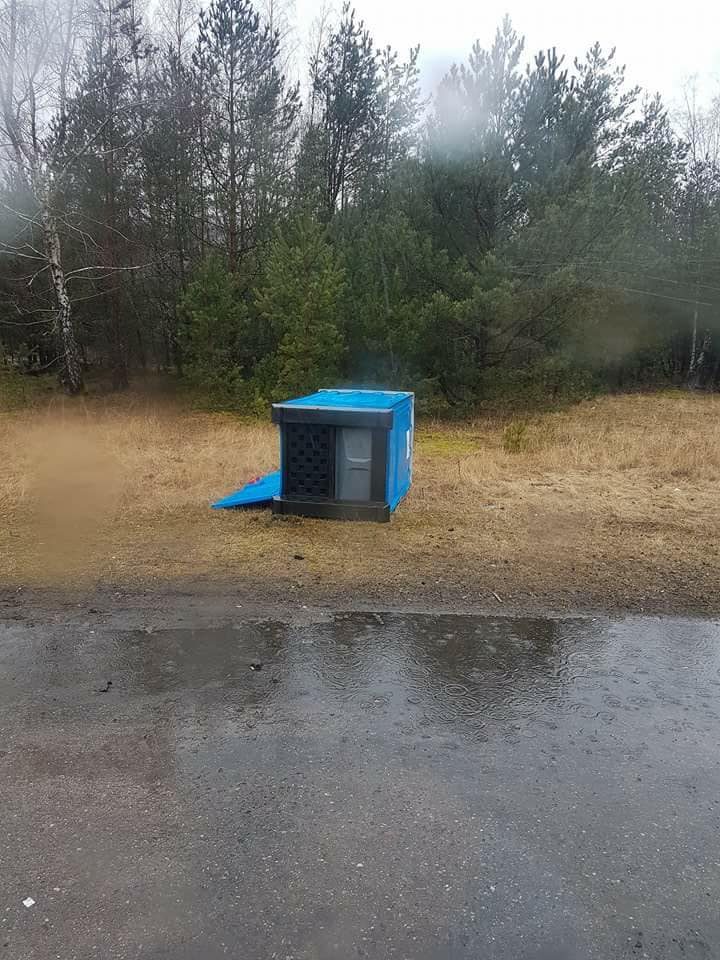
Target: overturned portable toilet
[(345, 453)]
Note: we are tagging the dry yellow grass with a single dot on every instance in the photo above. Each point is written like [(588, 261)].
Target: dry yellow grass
[(613, 502)]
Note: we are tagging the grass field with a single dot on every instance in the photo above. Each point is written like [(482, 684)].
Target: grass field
[(612, 503)]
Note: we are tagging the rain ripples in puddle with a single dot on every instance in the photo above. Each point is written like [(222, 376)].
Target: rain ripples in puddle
[(459, 671), (513, 678)]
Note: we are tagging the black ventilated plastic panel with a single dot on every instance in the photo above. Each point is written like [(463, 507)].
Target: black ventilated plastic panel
[(309, 460)]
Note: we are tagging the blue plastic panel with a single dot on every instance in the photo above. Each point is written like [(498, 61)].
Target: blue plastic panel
[(400, 452), (350, 399), (254, 493)]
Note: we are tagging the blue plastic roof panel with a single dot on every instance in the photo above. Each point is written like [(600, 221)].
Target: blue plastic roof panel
[(349, 400)]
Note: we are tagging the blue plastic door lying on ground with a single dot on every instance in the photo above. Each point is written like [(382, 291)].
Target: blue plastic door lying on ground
[(254, 494)]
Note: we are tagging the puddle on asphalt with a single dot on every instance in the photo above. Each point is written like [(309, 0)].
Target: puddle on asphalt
[(459, 676), (474, 677)]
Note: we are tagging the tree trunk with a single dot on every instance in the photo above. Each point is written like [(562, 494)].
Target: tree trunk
[(120, 373), (71, 375), (693, 346), (700, 363), (232, 180)]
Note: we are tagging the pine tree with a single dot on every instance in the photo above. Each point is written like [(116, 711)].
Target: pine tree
[(346, 86), (106, 128), (248, 114), (215, 333), (400, 105), (299, 301)]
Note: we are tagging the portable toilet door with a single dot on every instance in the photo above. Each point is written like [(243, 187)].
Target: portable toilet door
[(353, 463)]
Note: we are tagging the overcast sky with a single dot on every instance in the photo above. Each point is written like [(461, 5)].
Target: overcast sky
[(661, 43)]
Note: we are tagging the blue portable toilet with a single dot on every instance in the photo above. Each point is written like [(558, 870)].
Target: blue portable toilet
[(345, 453)]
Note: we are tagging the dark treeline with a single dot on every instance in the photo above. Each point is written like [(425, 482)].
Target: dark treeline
[(172, 200)]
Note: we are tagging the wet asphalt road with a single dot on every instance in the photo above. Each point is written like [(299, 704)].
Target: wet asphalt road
[(384, 787)]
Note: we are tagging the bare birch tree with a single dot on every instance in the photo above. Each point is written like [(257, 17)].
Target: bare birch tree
[(36, 50), (699, 128)]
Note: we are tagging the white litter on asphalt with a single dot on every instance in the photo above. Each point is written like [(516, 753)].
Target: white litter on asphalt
[(28, 902)]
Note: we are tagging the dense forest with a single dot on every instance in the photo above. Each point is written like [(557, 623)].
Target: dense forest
[(173, 199)]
